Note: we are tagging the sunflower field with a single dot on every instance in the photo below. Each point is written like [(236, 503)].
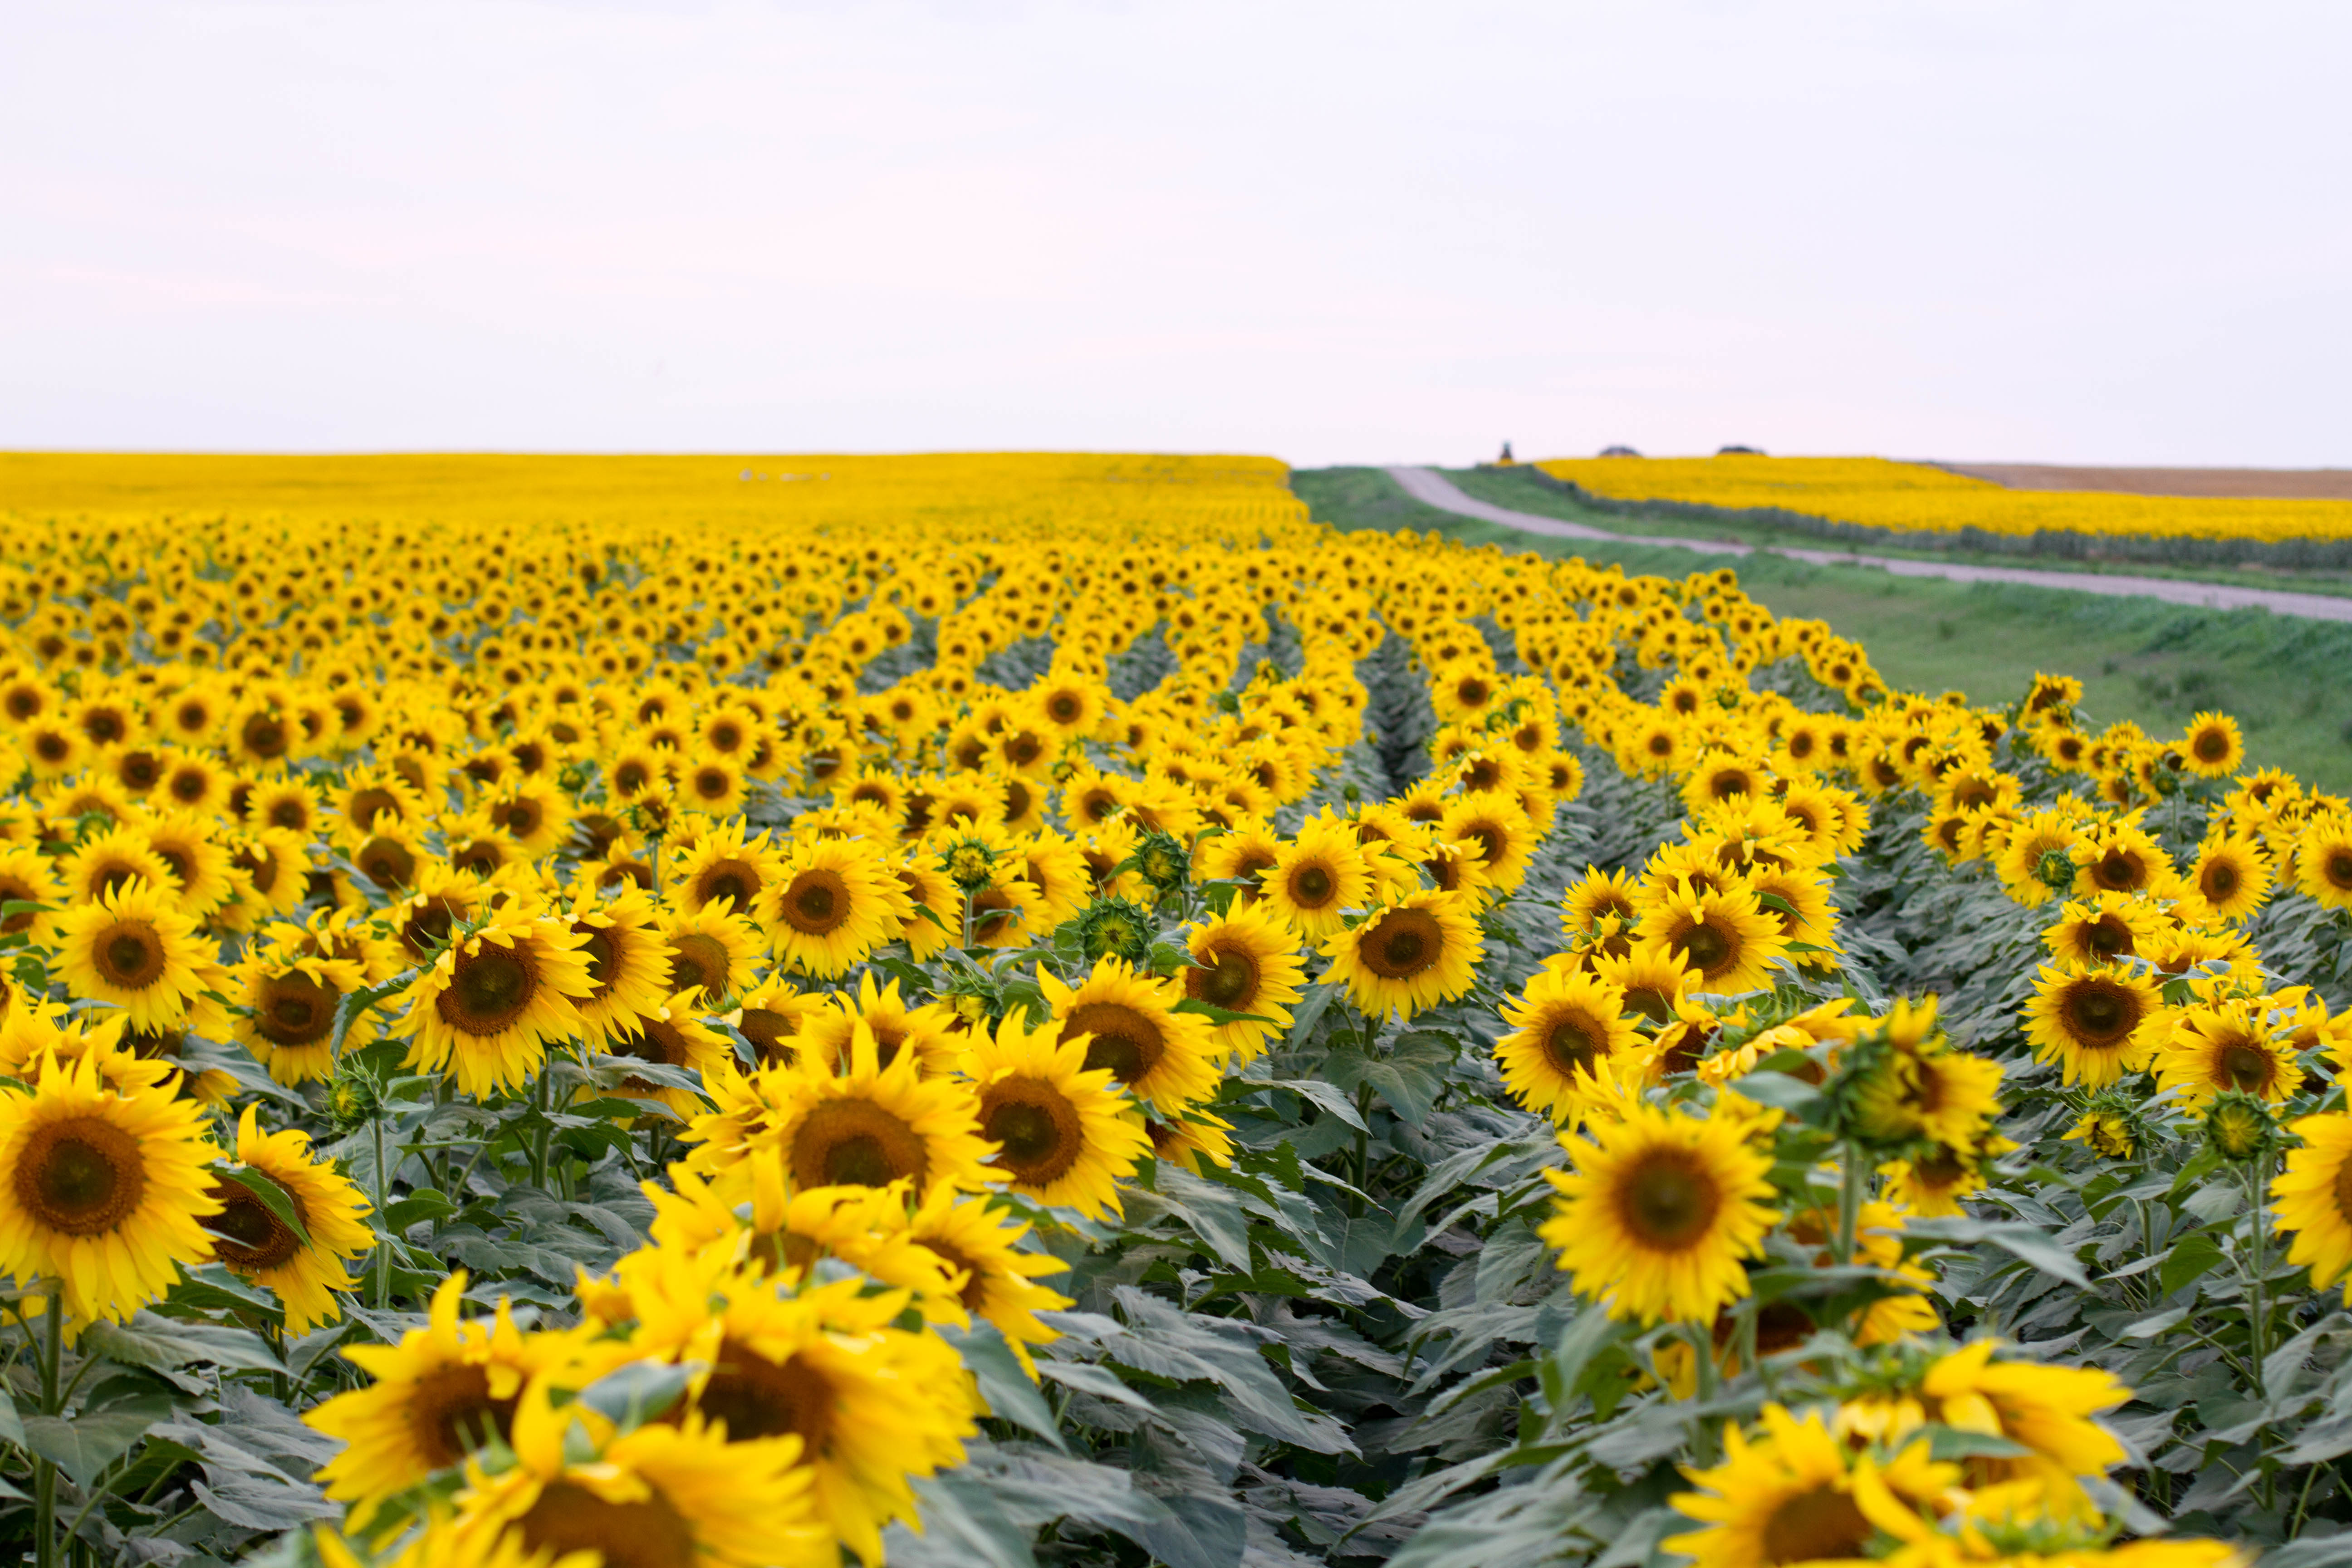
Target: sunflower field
[(1919, 504), (1017, 1010)]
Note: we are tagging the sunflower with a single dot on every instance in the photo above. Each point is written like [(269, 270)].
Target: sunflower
[(1653, 976), (1502, 833), (26, 878), (2212, 748), (101, 1188), (1316, 880), (1596, 895), (1800, 1493), (2103, 928), (866, 1125), (2119, 857), (1658, 1212), (290, 1000), (1007, 913), (2226, 1046), (1565, 1028), (304, 1270), (2233, 877), (491, 1002), (628, 960), (376, 800), (2323, 860), (1244, 855), (134, 949), (837, 901), (1245, 963), (980, 1244), (447, 1389), (669, 1035), (926, 1030), (1406, 957), (710, 949), (934, 921), (722, 864), (2313, 1197), (870, 1404), (2091, 1020), (1058, 1125), (770, 1015), (686, 1494), (108, 861), (1161, 1055), (1726, 938), (269, 873)]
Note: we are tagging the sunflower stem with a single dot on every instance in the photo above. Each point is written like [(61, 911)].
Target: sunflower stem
[(1702, 1345), (383, 1247), (967, 920), (45, 1473), (1850, 1180)]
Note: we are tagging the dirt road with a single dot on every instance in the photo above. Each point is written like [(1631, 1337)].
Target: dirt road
[(1433, 488)]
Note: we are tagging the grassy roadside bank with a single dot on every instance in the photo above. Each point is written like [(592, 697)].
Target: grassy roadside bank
[(2152, 663), (1523, 489)]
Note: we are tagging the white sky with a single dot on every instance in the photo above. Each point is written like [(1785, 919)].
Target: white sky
[(1353, 232)]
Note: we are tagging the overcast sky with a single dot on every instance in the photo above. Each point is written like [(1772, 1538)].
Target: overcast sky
[(1355, 232)]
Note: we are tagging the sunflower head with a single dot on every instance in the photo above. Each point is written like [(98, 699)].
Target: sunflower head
[(1116, 928), (2239, 1126)]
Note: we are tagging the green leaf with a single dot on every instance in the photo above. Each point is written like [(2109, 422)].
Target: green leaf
[(11, 1428), (1010, 1394), (162, 1343), (274, 1198), (1410, 1078), (1952, 1443), (2192, 1256), (84, 1444), (1793, 1095), (642, 1391)]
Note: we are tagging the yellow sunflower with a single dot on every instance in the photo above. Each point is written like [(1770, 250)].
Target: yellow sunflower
[(1564, 1028), (26, 878), (1317, 879), (1727, 937), (254, 1242), (2323, 860), (1161, 1055), (135, 949), (2212, 748), (2226, 1046), (2311, 1198), (1406, 957), (289, 1019), (711, 952), (1800, 1493), (722, 864), (628, 959), (1502, 833), (1059, 1127), (2103, 928), (101, 1188), (492, 1002), (837, 901), (447, 1389), (2233, 877), (770, 1015), (927, 1031), (670, 1034), (871, 1405), (866, 1125), (1659, 1211), (999, 1279), (682, 1495), (1246, 964), (1653, 976), (2093, 1022)]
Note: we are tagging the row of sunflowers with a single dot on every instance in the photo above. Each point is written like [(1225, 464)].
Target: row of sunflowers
[(1920, 498), (1054, 1011)]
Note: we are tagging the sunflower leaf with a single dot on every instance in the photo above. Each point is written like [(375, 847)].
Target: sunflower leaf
[(1011, 1396), (274, 1198), (84, 1444), (162, 1343)]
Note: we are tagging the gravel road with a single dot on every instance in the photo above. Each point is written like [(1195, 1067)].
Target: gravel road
[(1433, 488)]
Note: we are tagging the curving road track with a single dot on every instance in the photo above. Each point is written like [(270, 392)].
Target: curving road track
[(1433, 488)]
